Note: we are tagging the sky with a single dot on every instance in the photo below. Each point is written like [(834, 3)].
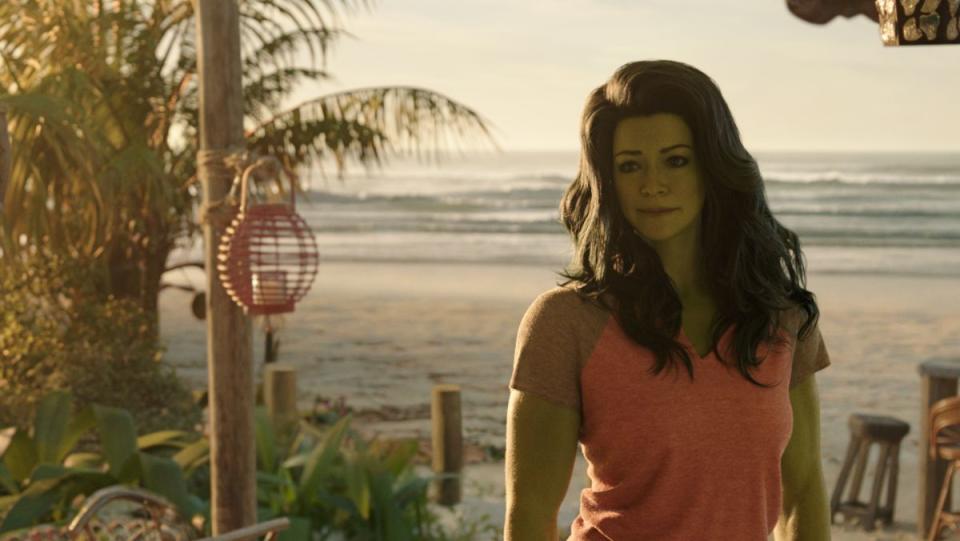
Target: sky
[(527, 66)]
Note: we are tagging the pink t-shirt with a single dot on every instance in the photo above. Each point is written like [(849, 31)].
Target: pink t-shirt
[(669, 459)]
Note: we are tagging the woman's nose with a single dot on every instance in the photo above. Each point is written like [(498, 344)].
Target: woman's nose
[(650, 183)]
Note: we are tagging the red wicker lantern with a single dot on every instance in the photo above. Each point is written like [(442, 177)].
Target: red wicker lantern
[(268, 255)]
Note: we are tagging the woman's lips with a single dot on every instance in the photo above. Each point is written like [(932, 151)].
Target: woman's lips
[(655, 212)]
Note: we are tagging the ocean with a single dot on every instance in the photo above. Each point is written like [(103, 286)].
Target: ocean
[(485, 232), (854, 212)]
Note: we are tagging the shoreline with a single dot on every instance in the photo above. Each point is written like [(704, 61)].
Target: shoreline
[(383, 334)]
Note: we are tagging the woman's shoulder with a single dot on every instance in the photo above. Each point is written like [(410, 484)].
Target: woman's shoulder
[(563, 305), (565, 298), (794, 316)]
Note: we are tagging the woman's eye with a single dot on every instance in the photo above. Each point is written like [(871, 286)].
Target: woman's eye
[(631, 165), (626, 167)]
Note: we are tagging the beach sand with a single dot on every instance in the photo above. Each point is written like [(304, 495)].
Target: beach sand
[(382, 334)]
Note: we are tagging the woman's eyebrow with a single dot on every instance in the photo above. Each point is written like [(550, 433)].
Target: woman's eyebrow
[(662, 150)]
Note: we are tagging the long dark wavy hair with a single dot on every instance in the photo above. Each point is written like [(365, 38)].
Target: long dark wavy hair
[(754, 265)]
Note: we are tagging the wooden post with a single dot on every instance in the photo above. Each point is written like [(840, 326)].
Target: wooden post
[(447, 435), (229, 337), (280, 397)]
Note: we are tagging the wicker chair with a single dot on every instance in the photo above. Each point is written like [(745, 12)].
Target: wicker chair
[(945, 442), (164, 524)]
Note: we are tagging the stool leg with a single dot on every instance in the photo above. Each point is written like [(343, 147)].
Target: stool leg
[(935, 527), (892, 484), (852, 448), (877, 486), (861, 465)]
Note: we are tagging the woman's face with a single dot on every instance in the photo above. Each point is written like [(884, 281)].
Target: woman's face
[(654, 166)]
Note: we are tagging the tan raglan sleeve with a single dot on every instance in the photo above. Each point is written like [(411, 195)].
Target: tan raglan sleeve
[(545, 360), (810, 353)]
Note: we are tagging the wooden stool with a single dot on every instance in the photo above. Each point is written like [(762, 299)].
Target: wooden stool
[(945, 444), (865, 430)]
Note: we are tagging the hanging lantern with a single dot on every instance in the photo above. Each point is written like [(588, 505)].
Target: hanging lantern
[(268, 255), (919, 22)]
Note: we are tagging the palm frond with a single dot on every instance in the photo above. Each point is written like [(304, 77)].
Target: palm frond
[(365, 123), (265, 93)]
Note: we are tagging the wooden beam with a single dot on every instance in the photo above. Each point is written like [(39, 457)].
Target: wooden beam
[(229, 337)]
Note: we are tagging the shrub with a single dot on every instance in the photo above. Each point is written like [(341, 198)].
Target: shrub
[(56, 334)]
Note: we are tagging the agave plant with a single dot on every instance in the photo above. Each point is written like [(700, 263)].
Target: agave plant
[(103, 118)]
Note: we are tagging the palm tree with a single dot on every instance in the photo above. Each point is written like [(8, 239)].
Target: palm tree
[(103, 118)]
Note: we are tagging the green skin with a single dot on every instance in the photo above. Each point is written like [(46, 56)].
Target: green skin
[(805, 514), (651, 171), (644, 178)]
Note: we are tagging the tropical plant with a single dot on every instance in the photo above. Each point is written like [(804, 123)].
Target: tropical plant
[(328, 481), (41, 475), (103, 119), (333, 484)]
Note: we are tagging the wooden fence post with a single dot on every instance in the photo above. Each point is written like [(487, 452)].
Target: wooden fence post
[(280, 397), (447, 435)]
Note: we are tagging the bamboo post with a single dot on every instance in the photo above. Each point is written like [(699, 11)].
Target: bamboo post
[(229, 337), (280, 397), (447, 436)]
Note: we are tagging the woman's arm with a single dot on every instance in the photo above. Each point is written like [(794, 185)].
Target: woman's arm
[(805, 514), (540, 455)]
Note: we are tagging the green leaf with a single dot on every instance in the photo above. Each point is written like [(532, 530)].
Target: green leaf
[(198, 504), (21, 456), (83, 460), (336, 501), (48, 471), (163, 476), (266, 442), (191, 454), (358, 487), (7, 501), (80, 423), (269, 479), (400, 456), (322, 456), (35, 502), (389, 511), (118, 436), (83, 481), (411, 490), (50, 425), (300, 530), (171, 438), (50, 484), (265, 513), (295, 461), (7, 481)]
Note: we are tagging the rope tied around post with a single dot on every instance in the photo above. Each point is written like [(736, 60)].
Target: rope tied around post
[(233, 166), (225, 165)]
